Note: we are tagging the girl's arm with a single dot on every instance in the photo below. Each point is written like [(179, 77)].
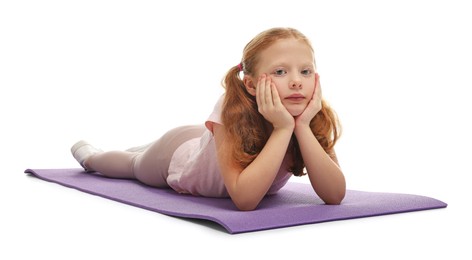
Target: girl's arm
[(325, 176), (248, 186)]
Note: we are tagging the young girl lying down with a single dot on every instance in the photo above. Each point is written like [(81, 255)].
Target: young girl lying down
[(271, 123)]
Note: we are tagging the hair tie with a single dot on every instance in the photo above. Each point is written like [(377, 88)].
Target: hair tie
[(240, 66)]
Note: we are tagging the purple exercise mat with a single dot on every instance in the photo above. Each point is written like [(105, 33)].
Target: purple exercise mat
[(295, 204)]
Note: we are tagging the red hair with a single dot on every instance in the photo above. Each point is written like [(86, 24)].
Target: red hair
[(247, 128)]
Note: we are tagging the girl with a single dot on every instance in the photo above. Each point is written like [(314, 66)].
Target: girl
[(269, 124)]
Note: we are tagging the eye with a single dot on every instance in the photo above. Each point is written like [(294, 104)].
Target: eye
[(279, 72), (306, 72)]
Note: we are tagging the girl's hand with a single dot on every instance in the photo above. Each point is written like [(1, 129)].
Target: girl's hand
[(270, 106), (313, 107)]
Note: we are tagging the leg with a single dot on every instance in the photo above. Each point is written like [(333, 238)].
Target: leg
[(149, 166), (114, 164), (152, 166), (140, 148)]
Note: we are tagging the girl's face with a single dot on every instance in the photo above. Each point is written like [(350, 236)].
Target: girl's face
[(290, 65)]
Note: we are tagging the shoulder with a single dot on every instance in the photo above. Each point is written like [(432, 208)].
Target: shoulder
[(215, 116), (224, 147)]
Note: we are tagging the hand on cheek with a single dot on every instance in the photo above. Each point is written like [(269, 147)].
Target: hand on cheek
[(313, 107), (270, 105)]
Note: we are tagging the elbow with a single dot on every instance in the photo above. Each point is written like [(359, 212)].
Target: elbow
[(333, 202), (335, 199), (246, 205), (245, 200), (336, 194)]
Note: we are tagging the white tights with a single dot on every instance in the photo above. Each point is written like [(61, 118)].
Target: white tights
[(149, 163)]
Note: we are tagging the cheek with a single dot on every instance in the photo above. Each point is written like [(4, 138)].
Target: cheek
[(310, 87), (279, 83)]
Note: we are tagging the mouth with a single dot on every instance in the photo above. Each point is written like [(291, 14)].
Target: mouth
[(295, 97)]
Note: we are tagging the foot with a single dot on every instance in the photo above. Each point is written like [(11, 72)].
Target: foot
[(82, 151)]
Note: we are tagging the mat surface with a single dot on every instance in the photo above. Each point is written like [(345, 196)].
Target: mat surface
[(295, 204)]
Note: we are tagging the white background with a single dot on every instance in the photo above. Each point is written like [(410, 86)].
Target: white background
[(121, 73)]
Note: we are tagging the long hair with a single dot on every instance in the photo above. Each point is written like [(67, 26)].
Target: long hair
[(247, 128)]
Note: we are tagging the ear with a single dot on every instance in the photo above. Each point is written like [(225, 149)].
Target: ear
[(250, 85)]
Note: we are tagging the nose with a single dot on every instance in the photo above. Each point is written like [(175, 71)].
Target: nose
[(295, 83)]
